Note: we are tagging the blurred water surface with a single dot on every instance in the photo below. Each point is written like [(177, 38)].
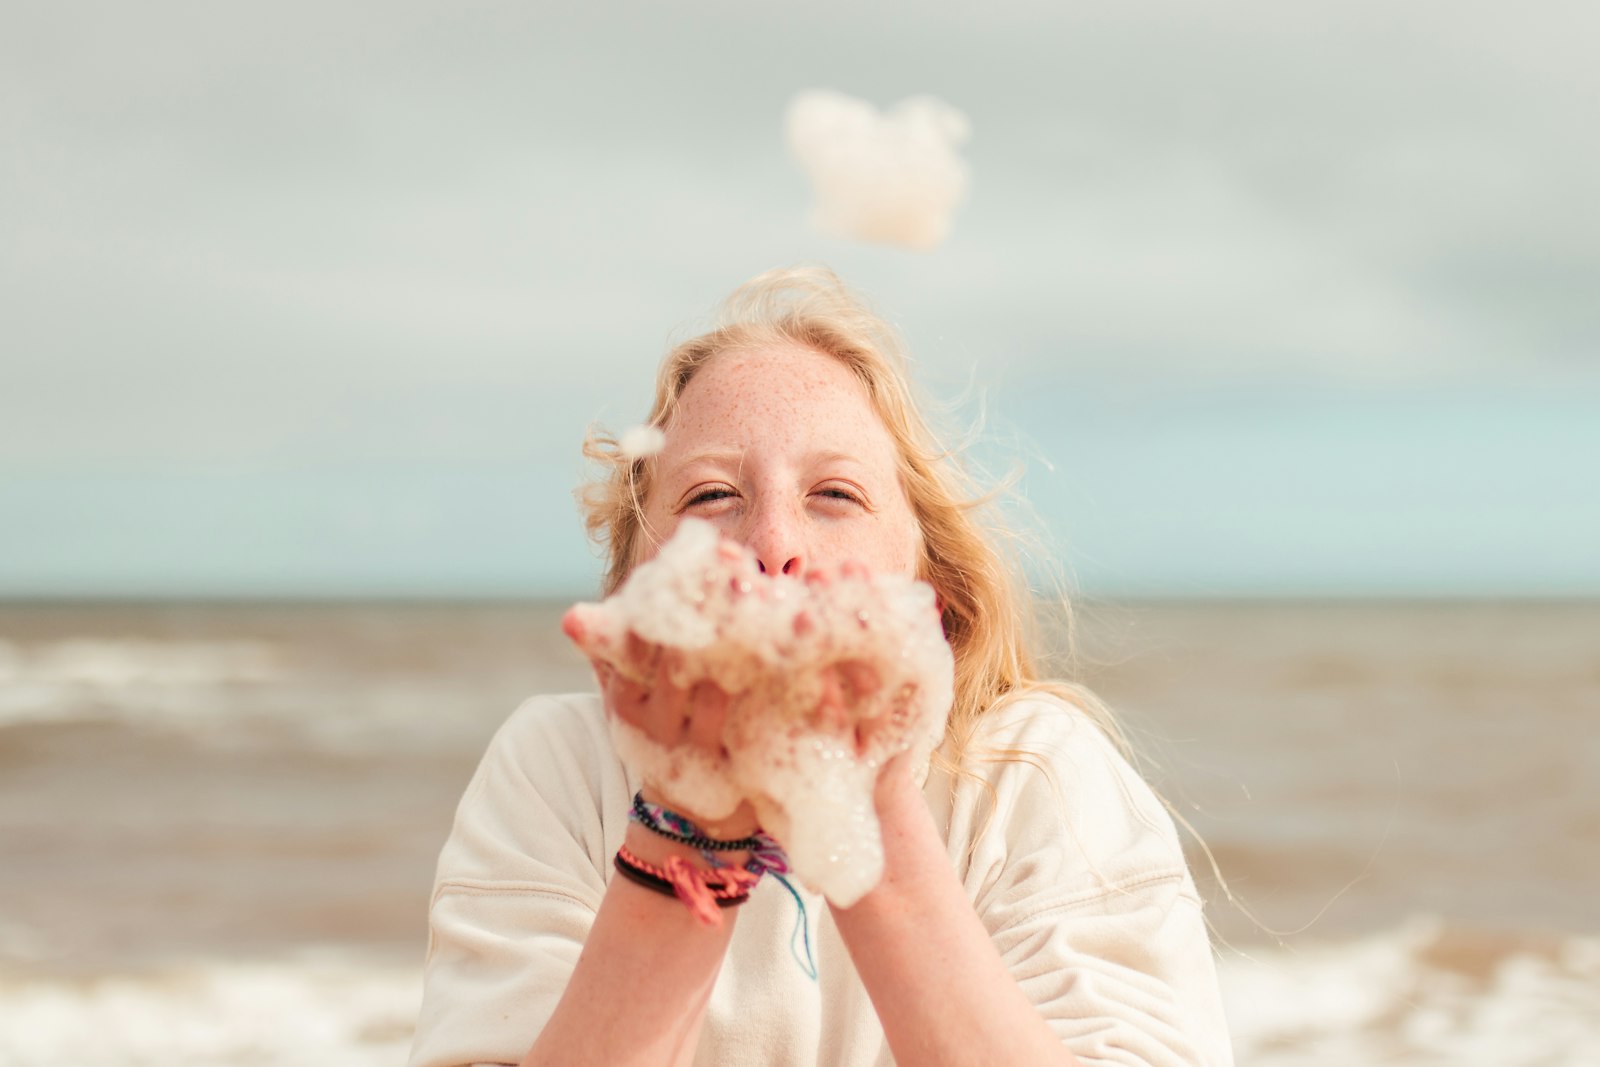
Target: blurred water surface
[(219, 822)]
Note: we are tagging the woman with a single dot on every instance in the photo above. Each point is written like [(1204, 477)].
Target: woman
[(1035, 906)]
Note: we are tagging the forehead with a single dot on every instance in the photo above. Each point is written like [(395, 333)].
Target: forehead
[(789, 391)]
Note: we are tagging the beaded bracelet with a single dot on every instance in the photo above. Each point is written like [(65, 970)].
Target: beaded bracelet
[(766, 857), (675, 827)]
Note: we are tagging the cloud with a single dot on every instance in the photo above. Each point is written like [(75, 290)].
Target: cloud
[(892, 177)]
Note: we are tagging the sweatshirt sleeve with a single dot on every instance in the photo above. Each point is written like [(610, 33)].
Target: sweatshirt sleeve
[(519, 883), (1078, 874)]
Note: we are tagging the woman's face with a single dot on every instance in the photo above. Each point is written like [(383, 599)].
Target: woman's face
[(780, 449)]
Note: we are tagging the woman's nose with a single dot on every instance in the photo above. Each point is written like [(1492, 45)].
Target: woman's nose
[(776, 541), (791, 566)]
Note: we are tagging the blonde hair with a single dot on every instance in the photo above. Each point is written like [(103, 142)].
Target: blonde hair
[(986, 601)]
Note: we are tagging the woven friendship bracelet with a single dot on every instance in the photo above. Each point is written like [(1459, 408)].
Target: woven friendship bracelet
[(675, 827), (766, 857), (665, 888), (727, 894), (690, 884)]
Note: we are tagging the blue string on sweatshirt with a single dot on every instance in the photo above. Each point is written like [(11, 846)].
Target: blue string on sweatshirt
[(766, 857)]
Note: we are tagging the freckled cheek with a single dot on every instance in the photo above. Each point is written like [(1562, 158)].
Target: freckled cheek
[(908, 544), (910, 553), (661, 524), (886, 549)]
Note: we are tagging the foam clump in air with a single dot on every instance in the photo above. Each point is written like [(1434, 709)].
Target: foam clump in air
[(641, 441), (827, 679), (893, 177)]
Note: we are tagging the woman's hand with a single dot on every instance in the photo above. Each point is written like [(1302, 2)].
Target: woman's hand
[(672, 717), (664, 712)]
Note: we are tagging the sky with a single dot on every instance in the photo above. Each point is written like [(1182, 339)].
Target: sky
[(318, 299)]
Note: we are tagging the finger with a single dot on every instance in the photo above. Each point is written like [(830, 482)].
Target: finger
[(642, 656), (895, 773), (831, 707), (603, 675), (627, 700), (667, 711), (708, 714), (867, 732), (858, 679), (573, 625)]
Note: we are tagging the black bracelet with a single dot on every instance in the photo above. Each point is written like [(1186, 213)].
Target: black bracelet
[(644, 878), (664, 887), (646, 818)]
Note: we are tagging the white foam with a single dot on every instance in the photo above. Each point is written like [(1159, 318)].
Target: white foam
[(112, 663), (264, 1015), (168, 680), (894, 177), (828, 679), (1373, 1000), (641, 441), (1383, 999)]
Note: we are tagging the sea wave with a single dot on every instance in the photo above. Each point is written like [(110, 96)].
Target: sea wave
[(315, 1011), (112, 662), (86, 678), (1423, 994)]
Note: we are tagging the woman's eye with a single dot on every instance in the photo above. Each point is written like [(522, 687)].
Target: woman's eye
[(705, 496), (839, 492)]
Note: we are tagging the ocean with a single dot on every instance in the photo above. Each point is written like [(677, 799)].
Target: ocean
[(218, 823)]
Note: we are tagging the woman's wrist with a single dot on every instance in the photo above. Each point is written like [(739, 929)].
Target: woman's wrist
[(738, 824), (654, 848), (913, 848), (706, 884)]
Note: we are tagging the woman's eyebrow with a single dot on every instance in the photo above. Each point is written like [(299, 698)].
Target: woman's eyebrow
[(826, 456), (733, 458), (717, 457)]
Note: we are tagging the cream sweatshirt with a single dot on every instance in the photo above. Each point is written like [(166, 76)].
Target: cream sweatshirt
[(1071, 862)]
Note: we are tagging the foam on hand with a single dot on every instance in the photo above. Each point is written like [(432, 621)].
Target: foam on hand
[(893, 177), (828, 678)]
